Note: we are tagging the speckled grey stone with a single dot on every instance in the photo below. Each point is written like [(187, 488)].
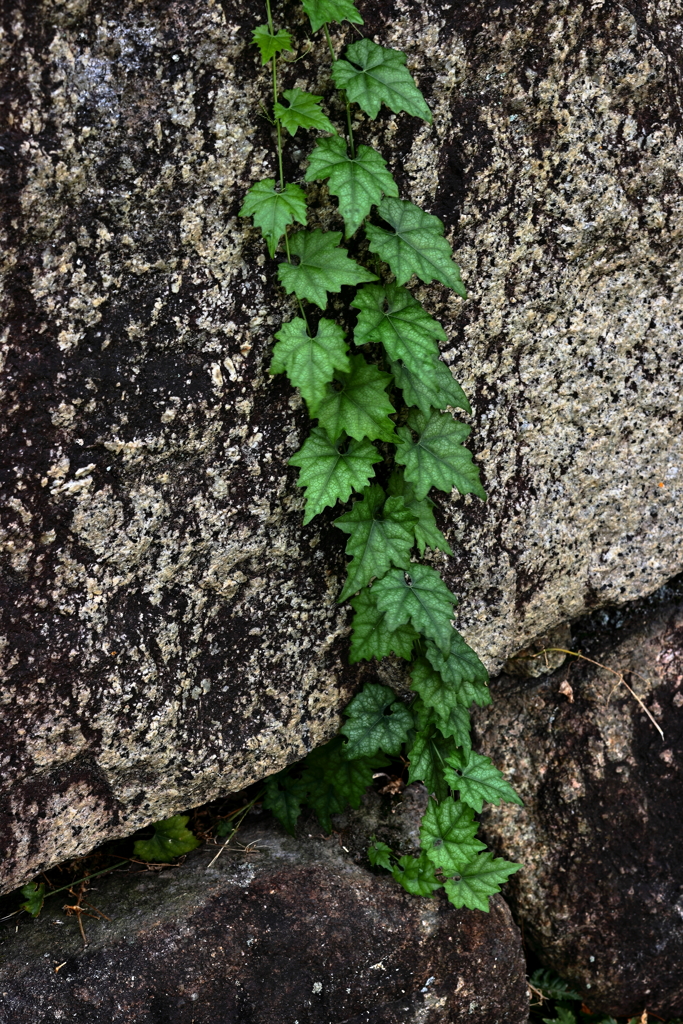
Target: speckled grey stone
[(171, 629)]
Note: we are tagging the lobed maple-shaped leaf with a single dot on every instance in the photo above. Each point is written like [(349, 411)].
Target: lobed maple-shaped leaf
[(171, 839), (478, 780), (436, 389), (270, 43), (323, 267), (438, 458), (380, 535), (375, 721), (273, 211), (475, 881), (459, 667), (415, 246), (34, 897), (422, 599), (370, 637), (457, 725), (391, 316), (283, 798), (303, 111), (427, 533), (416, 875), (433, 691), (379, 854), (323, 11), (357, 402), (427, 758), (358, 182), (447, 834), (331, 470), (310, 362), (373, 75)]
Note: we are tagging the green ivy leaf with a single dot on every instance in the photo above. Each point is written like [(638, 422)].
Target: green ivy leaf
[(331, 470), (477, 880), (34, 897), (434, 692), (391, 316), (427, 758), (283, 798), (322, 12), (303, 112), (270, 44), (427, 534), (565, 1016), (376, 721), (447, 834), (171, 839), (553, 986), (323, 267), (310, 362), (333, 781), (370, 637), (379, 76), (416, 245), (438, 458), (460, 668), (416, 875), (272, 210), (436, 389), (379, 854), (358, 403), (457, 724), (478, 780), (380, 535), (423, 599), (358, 182)]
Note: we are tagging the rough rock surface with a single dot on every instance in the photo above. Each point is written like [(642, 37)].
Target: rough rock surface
[(171, 630), (297, 931), (601, 892)]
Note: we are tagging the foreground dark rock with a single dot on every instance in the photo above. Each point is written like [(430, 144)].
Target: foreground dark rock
[(287, 930), (601, 893)]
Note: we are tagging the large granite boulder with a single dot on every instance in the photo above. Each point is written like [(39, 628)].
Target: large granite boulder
[(600, 895), (171, 629)]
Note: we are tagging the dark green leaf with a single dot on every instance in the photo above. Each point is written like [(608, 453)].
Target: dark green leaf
[(331, 470), (270, 44), (323, 267), (358, 404), (427, 534), (391, 316), (379, 854), (416, 875), (565, 1016), (427, 758), (460, 668), (434, 390), (457, 724), (283, 798), (434, 692), (376, 721), (475, 881), (415, 246), (478, 780), (380, 535), (34, 897), (272, 210), (373, 75), (310, 362), (552, 985), (447, 834), (171, 839), (359, 182), (303, 111), (422, 599), (371, 638), (350, 779), (438, 458), (322, 11)]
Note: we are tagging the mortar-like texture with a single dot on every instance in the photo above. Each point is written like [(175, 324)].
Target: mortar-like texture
[(171, 629)]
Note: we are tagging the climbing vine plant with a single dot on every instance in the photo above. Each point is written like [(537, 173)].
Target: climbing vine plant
[(385, 400)]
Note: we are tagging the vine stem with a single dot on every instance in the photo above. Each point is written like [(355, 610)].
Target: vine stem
[(278, 126), (346, 99)]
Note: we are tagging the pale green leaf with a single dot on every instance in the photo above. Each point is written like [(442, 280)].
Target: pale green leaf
[(436, 389), (373, 75), (427, 533), (416, 875), (323, 267), (421, 598), (438, 457), (380, 535), (303, 111), (331, 470), (415, 246), (323, 11), (447, 834), (379, 854), (390, 316), (171, 839), (273, 210), (460, 668), (310, 362), (269, 44), (478, 780), (357, 402), (358, 182), (370, 637), (475, 881), (375, 721)]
